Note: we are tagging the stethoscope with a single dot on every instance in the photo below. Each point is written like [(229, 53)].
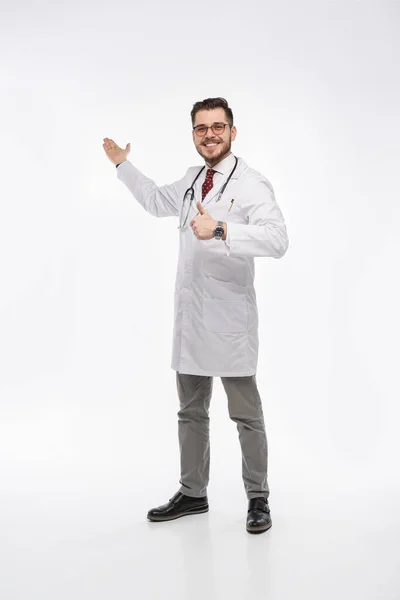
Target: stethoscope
[(189, 194)]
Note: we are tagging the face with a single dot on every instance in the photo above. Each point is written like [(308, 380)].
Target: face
[(213, 147)]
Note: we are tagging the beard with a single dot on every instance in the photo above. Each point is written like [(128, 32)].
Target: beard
[(219, 152)]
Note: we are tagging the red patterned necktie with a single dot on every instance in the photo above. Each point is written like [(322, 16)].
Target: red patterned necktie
[(208, 183)]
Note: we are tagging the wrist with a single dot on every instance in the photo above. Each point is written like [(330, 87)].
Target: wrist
[(224, 226), (225, 231)]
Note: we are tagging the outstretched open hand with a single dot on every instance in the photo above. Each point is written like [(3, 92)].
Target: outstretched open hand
[(114, 152)]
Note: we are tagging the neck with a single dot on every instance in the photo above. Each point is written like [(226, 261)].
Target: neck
[(212, 163)]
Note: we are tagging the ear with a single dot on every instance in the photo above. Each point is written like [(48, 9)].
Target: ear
[(233, 132)]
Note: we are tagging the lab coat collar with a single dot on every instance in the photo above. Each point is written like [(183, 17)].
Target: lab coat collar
[(226, 165)]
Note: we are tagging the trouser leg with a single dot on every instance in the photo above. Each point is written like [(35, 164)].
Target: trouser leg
[(194, 393), (245, 408)]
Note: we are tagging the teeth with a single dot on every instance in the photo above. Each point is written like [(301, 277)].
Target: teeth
[(211, 145)]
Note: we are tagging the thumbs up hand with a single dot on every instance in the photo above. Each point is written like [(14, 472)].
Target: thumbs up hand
[(204, 225)]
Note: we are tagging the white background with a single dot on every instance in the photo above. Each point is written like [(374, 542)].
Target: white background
[(88, 425)]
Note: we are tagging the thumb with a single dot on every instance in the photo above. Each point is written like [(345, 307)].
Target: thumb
[(201, 209)]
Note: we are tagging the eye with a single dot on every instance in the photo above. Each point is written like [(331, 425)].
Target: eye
[(219, 127), (200, 129)]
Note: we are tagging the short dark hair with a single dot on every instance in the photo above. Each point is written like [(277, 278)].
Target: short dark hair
[(209, 104)]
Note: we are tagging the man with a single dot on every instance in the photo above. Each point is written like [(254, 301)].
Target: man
[(227, 216)]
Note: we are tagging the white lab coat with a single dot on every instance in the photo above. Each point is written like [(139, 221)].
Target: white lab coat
[(215, 328)]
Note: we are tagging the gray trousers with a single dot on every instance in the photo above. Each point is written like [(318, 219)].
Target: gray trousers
[(245, 409)]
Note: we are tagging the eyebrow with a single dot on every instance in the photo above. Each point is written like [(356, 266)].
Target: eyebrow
[(215, 123)]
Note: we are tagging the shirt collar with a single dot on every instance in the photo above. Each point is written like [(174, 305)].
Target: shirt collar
[(225, 166)]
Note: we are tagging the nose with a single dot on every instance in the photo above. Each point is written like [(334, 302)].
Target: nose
[(210, 135)]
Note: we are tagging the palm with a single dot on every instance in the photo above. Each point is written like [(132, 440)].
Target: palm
[(114, 152)]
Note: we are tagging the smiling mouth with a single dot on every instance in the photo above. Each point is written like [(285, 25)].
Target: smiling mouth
[(211, 144)]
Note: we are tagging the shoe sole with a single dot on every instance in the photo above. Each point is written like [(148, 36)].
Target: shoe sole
[(259, 529), (192, 511)]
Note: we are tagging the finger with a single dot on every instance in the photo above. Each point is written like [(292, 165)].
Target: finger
[(111, 145), (200, 208)]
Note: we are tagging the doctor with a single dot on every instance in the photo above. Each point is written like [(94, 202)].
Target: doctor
[(227, 215)]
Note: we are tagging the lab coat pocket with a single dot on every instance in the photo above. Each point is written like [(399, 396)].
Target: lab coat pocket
[(234, 214), (225, 316), (227, 271), (224, 306)]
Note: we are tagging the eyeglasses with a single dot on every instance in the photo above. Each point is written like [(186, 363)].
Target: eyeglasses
[(217, 128)]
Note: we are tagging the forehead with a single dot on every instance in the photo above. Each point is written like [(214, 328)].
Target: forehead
[(208, 117)]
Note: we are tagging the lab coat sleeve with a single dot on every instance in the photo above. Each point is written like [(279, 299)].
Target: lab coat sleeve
[(164, 201), (265, 232)]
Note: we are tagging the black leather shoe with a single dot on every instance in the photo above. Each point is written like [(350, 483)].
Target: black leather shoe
[(258, 515), (178, 506)]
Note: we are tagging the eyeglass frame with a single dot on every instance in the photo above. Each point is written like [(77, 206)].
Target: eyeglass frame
[(211, 127)]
